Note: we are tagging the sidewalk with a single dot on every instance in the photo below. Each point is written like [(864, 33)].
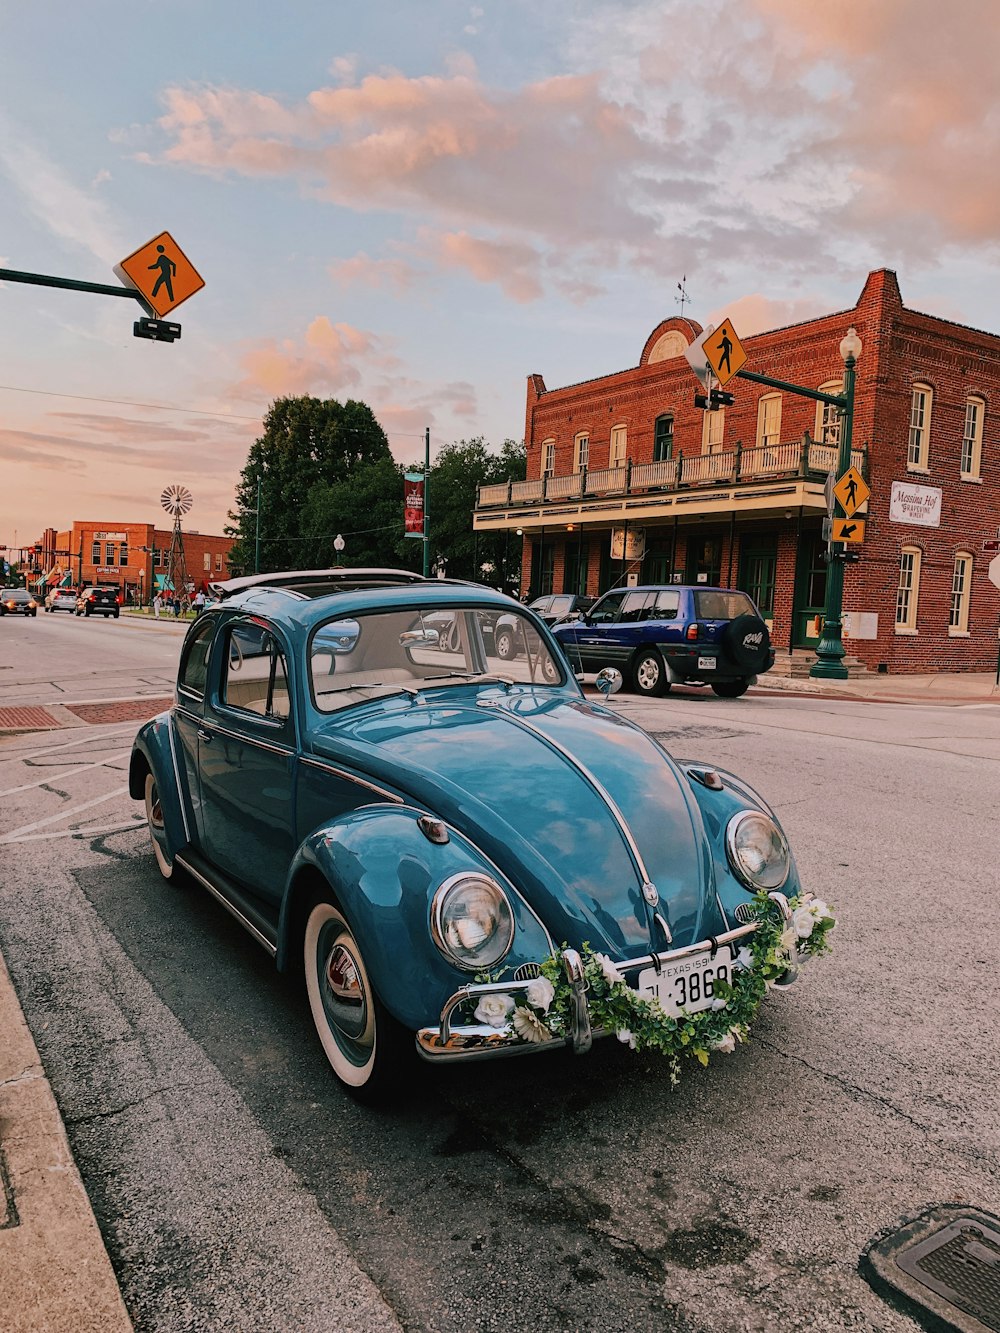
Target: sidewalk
[(934, 688), (55, 1275)]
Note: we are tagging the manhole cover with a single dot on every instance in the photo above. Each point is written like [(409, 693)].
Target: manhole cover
[(945, 1265)]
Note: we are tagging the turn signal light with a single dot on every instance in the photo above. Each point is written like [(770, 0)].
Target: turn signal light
[(693, 631)]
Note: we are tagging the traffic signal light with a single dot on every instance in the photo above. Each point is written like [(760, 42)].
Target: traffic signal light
[(157, 330), (713, 400)]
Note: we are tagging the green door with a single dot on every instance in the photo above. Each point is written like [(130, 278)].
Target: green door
[(758, 568), (810, 591)]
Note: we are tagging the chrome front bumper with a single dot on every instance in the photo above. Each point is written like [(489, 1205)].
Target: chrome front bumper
[(479, 1041)]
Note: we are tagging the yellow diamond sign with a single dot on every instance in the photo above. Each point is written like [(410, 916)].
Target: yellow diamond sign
[(724, 352), (851, 491)]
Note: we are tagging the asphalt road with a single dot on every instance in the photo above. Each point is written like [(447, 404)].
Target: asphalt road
[(238, 1188)]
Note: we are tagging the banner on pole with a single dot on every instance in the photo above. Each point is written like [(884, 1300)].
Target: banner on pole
[(413, 504)]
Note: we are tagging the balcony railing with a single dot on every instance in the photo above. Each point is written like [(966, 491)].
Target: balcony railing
[(793, 458)]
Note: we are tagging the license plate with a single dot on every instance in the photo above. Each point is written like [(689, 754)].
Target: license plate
[(707, 663), (688, 984)]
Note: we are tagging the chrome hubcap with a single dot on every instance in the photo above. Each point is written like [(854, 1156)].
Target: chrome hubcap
[(344, 996), (649, 674)]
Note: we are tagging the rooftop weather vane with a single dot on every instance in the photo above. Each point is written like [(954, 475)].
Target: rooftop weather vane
[(683, 294)]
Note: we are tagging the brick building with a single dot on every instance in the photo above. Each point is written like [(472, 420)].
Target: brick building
[(629, 482), (133, 557)]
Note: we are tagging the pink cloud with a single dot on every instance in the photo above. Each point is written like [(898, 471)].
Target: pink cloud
[(514, 266), (377, 273), (329, 359), (756, 313)]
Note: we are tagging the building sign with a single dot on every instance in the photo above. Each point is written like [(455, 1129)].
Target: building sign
[(108, 569), (917, 505), (110, 537), (413, 502), (628, 543)]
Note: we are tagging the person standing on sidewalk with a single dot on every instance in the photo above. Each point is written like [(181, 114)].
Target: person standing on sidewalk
[(157, 604)]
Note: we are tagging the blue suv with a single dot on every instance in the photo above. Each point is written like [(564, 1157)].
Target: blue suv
[(663, 635)]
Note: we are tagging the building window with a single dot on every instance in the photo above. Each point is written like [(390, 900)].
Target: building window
[(961, 587), (123, 554), (619, 445), (581, 452), (713, 431), (218, 563), (208, 562), (828, 417), (549, 458), (95, 553), (769, 420), (156, 557), (920, 427), (109, 553), (704, 560), (663, 439), (908, 590), (972, 438)]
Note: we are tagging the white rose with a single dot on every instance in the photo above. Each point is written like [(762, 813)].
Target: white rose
[(820, 910), (494, 1010), (627, 1038), (803, 920), (719, 1004), (540, 994), (726, 1044), (611, 974), (744, 959)]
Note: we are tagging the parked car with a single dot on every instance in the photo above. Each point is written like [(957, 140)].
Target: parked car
[(18, 602), (98, 601), (432, 832), (673, 634), (553, 607), (61, 599)]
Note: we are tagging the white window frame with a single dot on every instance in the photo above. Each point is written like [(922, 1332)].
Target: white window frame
[(618, 452), (548, 458), (713, 432), (581, 451), (207, 559), (918, 439), (218, 562), (972, 438), (828, 418), (769, 420), (908, 590), (961, 595)]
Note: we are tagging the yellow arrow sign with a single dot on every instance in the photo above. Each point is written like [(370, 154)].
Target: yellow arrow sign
[(848, 530), (724, 352), (852, 491), (162, 272)]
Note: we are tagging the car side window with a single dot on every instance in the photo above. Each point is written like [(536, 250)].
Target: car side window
[(606, 609), (636, 607), (194, 663), (668, 604), (254, 675)]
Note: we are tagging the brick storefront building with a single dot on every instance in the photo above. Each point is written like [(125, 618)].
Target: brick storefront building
[(629, 482), (132, 557)]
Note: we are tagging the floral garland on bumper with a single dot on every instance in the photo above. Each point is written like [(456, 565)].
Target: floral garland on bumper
[(543, 1011)]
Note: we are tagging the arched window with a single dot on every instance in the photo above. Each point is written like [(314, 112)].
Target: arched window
[(961, 588), (918, 448), (581, 451), (548, 458), (769, 420), (713, 431), (828, 417), (619, 446), (972, 438), (663, 438), (908, 590)]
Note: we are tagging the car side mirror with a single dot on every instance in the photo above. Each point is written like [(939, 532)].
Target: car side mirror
[(608, 680), (572, 617)]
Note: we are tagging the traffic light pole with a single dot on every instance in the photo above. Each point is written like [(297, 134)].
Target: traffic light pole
[(156, 330)]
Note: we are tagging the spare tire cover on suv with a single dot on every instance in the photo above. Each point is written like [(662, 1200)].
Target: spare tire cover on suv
[(747, 643)]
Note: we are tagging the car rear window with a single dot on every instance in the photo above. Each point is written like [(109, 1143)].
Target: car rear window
[(713, 604)]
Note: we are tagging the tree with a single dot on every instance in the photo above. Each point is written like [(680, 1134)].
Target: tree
[(367, 510), (307, 443), (458, 472)]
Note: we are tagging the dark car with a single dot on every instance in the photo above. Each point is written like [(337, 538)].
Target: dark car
[(18, 602), (98, 601), (553, 608), (663, 635)]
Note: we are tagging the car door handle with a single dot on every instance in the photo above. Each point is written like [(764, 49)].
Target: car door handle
[(204, 735)]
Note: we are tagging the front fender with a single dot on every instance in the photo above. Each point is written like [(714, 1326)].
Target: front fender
[(383, 873), (155, 750), (717, 808)]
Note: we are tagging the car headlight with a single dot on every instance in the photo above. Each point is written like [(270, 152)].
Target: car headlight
[(757, 850), (471, 921)]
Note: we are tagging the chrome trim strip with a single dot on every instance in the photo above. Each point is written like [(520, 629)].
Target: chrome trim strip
[(230, 906), (209, 725), (674, 955), (596, 785), (177, 779), (351, 777)]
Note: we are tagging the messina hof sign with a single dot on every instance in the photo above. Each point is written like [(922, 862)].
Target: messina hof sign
[(917, 505)]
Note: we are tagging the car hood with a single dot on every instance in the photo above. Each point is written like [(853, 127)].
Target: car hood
[(568, 799)]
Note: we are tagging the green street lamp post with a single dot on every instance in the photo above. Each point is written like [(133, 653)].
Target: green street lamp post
[(829, 664)]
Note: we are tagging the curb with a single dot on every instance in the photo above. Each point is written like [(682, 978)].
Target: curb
[(55, 1273)]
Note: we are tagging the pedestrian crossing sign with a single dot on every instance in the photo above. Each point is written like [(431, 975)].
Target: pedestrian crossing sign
[(724, 352), (852, 491), (161, 273)]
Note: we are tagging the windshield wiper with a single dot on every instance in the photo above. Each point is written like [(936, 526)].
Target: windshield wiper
[(485, 676)]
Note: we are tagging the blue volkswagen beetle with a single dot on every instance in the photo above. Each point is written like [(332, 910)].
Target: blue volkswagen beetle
[(448, 839)]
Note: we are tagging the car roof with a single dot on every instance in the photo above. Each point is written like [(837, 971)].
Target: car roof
[(677, 587), (316, 582)]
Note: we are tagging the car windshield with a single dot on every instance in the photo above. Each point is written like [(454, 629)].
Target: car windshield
[(715, 604), (353, 660)]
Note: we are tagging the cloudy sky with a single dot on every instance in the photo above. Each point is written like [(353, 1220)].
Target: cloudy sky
[(420, 204)]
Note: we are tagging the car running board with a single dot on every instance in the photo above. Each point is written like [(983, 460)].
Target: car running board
[(240, 904)]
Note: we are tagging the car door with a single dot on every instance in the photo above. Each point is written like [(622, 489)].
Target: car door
[(188, 715), (589, 639), (247, 749)]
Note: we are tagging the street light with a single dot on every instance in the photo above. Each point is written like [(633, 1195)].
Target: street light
[(338, 545), (829, 664)]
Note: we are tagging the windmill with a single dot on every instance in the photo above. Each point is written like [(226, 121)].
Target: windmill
[(177, 500)]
